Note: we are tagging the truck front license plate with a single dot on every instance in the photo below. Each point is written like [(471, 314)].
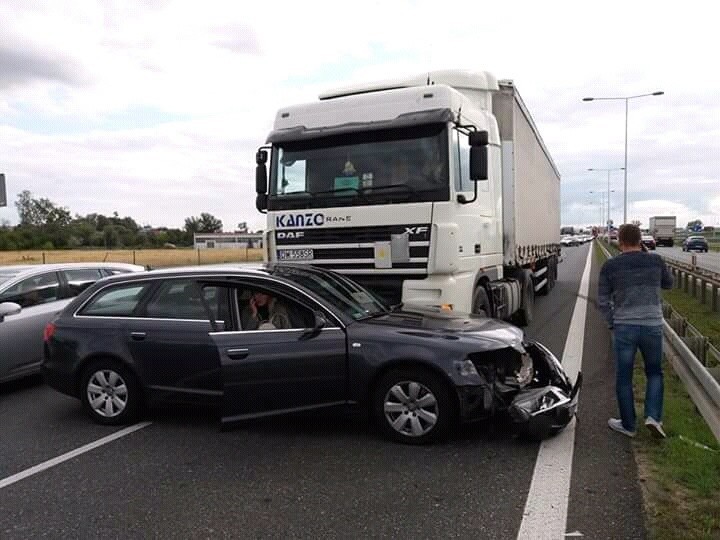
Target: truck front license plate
[(295, 255)]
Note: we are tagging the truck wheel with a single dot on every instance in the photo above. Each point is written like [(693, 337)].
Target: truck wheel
[(413, 406), (524, 316), (481, 302)]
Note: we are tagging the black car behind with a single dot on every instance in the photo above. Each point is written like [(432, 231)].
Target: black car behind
[(267, 340), (695, 243)]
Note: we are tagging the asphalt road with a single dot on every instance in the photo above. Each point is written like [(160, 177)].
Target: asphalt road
[(709, 260), (316, 477)]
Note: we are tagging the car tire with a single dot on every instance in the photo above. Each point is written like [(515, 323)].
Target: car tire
[(110, 393), (397, 414), (524, 316), (481, 302)]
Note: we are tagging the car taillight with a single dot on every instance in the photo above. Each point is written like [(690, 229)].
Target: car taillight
[(49, 332)]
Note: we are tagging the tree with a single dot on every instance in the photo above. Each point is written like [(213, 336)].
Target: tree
[(40, 212), (206, 223)]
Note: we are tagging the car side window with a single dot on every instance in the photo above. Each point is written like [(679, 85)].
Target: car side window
[(118, 301), (80, 279), (186, 299), (34, 291), (261, 309)]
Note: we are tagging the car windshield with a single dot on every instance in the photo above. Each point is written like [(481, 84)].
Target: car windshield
[(377, 167), (6, 276), (334, 289)]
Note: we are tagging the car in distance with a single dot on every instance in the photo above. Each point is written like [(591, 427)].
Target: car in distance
[(648, 241), (695, 243), (265, 340), (30, 297), (569, 241)]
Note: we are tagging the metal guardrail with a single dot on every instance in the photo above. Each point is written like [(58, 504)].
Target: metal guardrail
[(691, 354), (696, 281)]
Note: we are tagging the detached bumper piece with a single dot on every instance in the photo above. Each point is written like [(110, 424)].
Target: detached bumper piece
[(540, 413)]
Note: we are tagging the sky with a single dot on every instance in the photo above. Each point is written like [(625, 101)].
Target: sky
[(155, 109)]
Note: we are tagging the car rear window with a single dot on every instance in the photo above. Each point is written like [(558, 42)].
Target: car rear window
[(81, 278), (181, 299), (119, 301)]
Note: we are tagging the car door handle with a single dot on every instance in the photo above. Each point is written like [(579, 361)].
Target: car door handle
[(237, 354), (138, 336)]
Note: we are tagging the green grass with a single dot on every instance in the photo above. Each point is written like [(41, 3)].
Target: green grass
[(680, 481)]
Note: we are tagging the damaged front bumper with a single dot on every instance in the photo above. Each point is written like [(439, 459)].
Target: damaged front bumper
[(539, 405), (541, 412)]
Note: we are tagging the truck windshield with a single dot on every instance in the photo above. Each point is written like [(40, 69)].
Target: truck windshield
[(376, 167)]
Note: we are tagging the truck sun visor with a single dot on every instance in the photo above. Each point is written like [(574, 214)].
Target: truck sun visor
[(300, 133)]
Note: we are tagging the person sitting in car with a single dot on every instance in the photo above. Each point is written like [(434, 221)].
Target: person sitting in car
[(264, 312)]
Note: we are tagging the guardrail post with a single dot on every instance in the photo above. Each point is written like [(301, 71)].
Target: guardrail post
[(693, 288), (686, 282), (714, 299), (703, 290)]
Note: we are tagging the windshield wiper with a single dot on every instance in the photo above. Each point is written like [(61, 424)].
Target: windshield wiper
[(325, 192), (389, 186)]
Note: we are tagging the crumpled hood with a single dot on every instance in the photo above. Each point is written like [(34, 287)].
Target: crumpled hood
[(489, 334)]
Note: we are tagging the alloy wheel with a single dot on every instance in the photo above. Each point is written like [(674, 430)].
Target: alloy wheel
[(411, 408), (107, 393)]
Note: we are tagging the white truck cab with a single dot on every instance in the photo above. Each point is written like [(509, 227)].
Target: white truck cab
[(411, 188)]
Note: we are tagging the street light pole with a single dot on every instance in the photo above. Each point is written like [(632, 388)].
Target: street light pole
[(626, 99), (607, 223), (625, 167)]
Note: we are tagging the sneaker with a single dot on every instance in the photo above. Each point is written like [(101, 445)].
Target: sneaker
[(616, 425), (655, 427)]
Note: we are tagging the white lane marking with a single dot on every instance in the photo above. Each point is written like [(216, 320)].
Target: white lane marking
[(5, 482), (545, 514)]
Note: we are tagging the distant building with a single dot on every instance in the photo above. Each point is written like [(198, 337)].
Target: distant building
[(227, 240)]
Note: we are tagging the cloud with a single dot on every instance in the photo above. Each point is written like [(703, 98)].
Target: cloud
[(21, 64), (204, 82)]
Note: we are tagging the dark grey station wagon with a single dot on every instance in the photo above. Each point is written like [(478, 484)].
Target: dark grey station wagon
[(274, 339)]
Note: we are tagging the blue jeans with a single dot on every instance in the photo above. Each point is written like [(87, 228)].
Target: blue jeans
[(628, 339)]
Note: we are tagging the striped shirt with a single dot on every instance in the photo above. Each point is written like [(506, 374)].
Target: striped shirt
[(629, 288)]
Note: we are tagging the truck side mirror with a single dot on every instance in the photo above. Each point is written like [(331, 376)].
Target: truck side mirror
[(479, 155), (261, 181), (261, 172)]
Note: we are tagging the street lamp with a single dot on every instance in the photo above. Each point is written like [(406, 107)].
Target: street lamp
[(602, 204), (626, 99), (608, 189)]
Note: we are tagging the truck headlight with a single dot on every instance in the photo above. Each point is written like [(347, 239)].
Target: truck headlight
[(466, 368)]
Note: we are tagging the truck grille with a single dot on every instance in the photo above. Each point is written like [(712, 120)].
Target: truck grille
[(352, 249)]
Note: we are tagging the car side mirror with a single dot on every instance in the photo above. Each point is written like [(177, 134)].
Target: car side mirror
[(318, 325), (9, 308), (478, 155), (320, 321)]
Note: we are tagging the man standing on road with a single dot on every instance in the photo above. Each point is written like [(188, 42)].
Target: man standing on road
[(629, 298)]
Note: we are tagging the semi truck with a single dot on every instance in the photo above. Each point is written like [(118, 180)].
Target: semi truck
[(435, 189), (663, 230)]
